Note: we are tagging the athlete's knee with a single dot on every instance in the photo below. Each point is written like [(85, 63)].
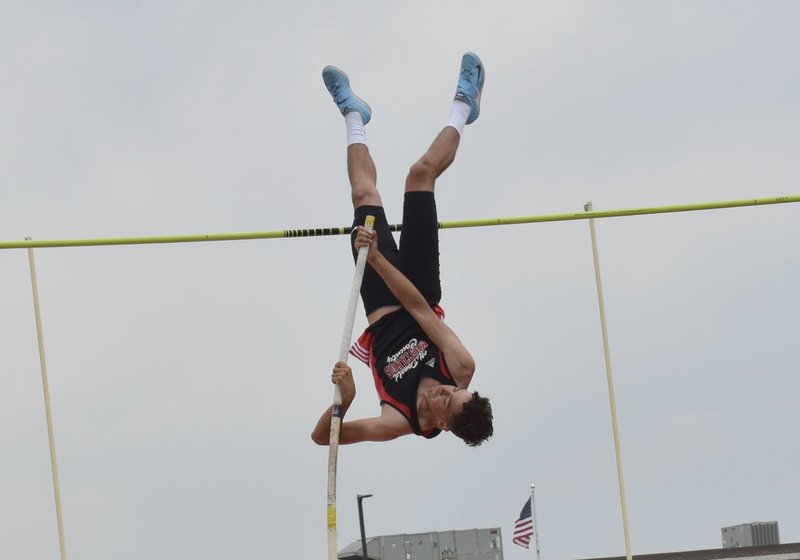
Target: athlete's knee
[(422, 175), (365, 195)]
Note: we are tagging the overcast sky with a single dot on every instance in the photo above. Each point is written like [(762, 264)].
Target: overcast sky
[(186, 379)]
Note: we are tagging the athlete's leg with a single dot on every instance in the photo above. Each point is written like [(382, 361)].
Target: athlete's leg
[(465, 110), (363, 184), (423, 174), (357, 113), (419, 242), (362, 174), (367, 202)]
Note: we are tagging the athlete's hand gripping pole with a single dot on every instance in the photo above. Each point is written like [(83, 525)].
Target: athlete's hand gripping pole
[(336, 409)]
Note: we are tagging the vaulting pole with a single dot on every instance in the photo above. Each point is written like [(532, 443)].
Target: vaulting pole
[(336, 409), (610, 380), (47, 408), (314, 232)]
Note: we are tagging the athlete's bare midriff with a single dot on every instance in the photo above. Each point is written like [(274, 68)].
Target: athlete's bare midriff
[(380, 312)]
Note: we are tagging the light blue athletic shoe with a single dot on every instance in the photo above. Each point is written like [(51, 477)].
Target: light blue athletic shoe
[(470, 84), (338, 85)]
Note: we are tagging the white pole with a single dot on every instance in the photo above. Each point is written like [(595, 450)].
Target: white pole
[(336, 409), (609, 378), (48, 413), (535, 521)]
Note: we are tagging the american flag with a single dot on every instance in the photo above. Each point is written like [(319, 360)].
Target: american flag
[(523, 528)]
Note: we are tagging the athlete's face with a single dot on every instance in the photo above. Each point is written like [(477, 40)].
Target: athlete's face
[(446, 401)]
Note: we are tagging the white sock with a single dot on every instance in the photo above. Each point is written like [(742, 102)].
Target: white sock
[(355, 128), (459, 115)]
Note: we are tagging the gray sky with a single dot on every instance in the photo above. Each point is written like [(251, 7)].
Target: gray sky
[(186, 379)]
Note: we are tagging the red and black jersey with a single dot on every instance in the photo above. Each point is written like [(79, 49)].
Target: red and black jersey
[(400, 354)]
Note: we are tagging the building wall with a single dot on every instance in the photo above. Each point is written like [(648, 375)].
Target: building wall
[(790, 551), (787, 556)]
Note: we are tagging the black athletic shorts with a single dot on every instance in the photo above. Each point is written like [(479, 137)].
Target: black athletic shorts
[(417, 257)]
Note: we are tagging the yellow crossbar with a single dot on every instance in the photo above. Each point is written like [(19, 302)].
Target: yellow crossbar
[(313, 232)]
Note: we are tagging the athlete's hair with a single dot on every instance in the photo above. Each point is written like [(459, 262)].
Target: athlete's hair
[(474, 423)]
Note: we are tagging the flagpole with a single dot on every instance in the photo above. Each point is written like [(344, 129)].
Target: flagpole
[(535, 521)]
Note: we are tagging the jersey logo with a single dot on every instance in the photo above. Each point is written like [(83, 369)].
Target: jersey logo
[(406, 359), (431, 362)]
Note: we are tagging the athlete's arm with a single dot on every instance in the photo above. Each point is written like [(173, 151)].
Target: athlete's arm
[(389, 425), (342, 377), (459, 360)]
